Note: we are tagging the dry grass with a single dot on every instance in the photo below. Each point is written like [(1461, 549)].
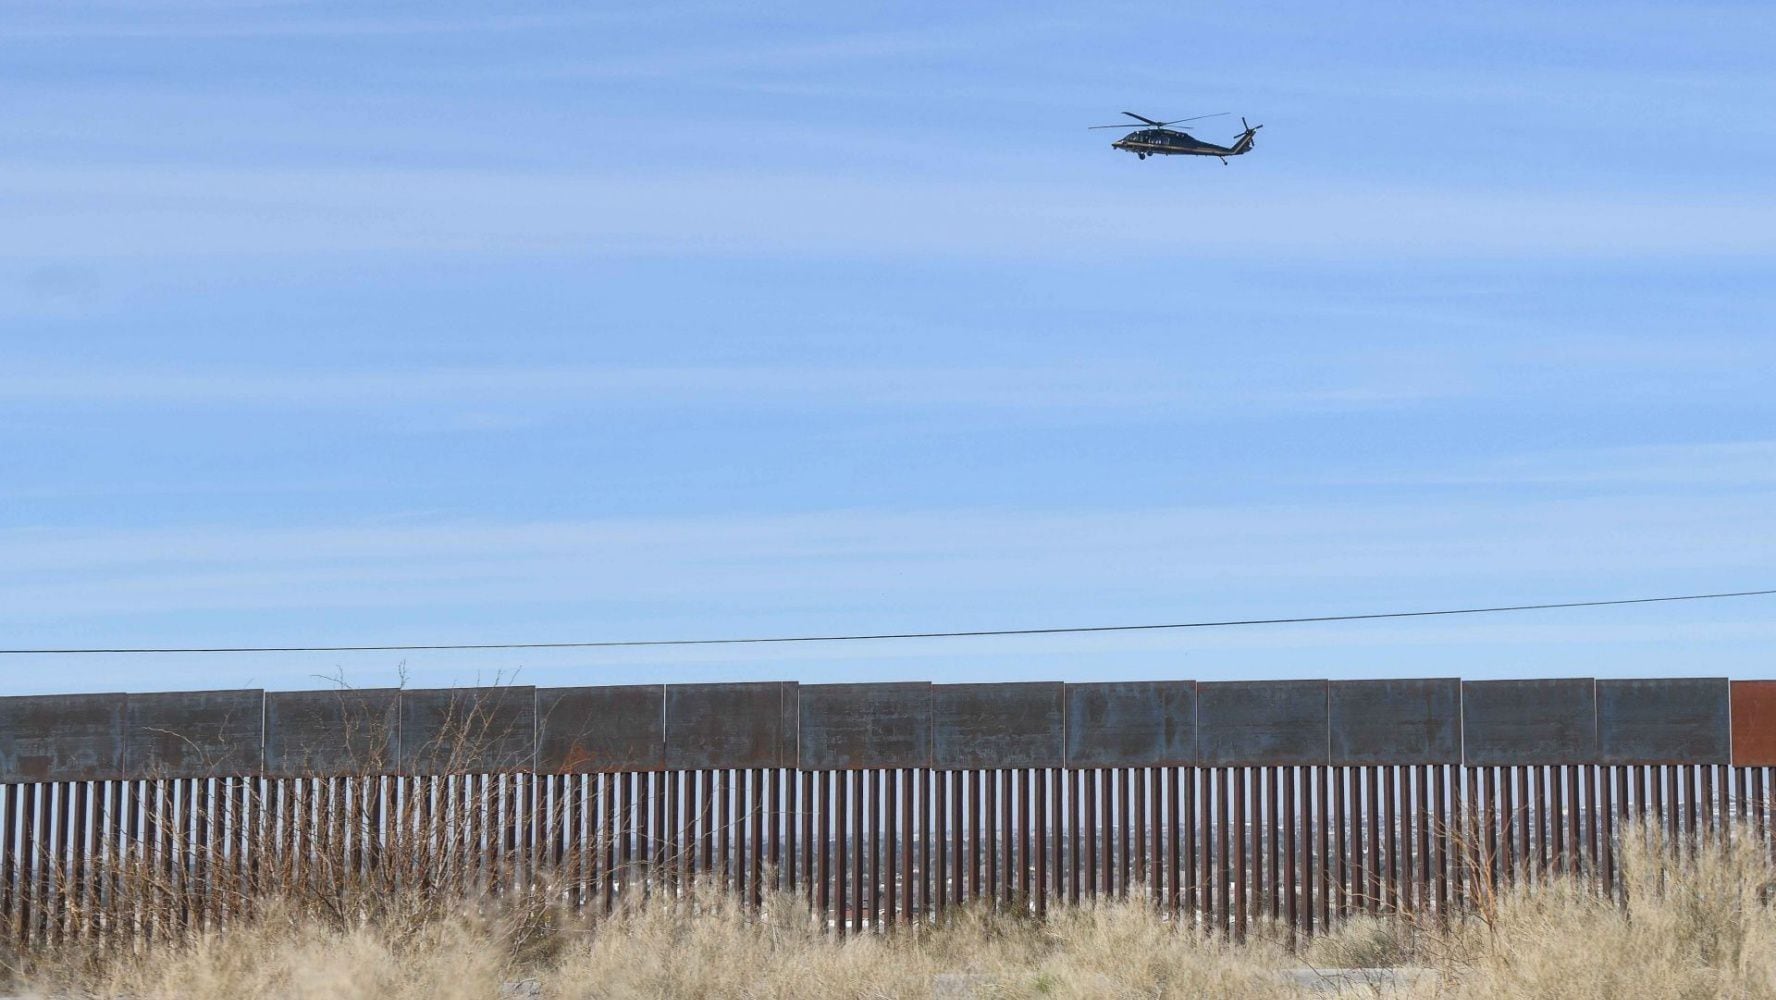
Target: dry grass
[(713, 948), (1697, 924)]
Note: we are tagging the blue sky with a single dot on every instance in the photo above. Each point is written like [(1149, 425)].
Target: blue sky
[(403, 323)]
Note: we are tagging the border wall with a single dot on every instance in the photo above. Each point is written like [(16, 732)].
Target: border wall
[(1293, 802)]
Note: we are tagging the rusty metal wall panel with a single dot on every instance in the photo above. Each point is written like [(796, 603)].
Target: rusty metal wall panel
[(1513, 723), (998, 725), (1665, 721), (581, 730), (61, 737), (468, 730), (1261, 723), (1131, 724), (346, 731), (1754, 723), (730, 725), (1414, 721), (194, 734), (845, 726)]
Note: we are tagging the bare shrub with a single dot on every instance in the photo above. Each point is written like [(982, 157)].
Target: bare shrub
[(1696, 923), (1692, 919)]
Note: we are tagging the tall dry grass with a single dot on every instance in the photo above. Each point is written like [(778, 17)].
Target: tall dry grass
[(1696, 922)]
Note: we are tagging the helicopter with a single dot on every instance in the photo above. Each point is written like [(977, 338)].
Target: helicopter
[(1159, 140)]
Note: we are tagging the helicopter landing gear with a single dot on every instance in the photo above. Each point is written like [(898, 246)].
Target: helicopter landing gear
[(1141, 155)]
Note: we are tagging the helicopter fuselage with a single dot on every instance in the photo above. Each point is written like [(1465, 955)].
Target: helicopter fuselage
[(1169, 142)]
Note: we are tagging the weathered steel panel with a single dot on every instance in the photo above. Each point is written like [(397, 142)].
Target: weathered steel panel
[(582, 730), (1261, 723), (730, 725), (61, 737), (1754, 723), (468, 730), (998, 725), (1131, 724), (846, 726), (1665, 721), (348, 731), (194, 734), (1415, 721), (1510, 723)]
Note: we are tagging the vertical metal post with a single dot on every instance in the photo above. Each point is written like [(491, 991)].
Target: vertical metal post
[(28, 861), (1024, 778), (910, 873), (1175, 850), (1444, 789), (1266, 834), (1128, 813), (1075, 832), (1322, 808), (1200, 834), (808, 806), (1574, 810), (990, 784), (1422, 824), (1040, 822), (959, 868), (1674, 814), (870, 843), (1291, 851), (1241, 824), (857, 806), (823, 872), (1342, 831), (940, 847), (1223, 881), (1521, 862), (1089, 832), (928, 832), (893, 869), (1591, 805), (766, 872), (10, 868), (842, 851)]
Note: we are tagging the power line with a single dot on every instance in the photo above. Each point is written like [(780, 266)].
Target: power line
[(977, 633)]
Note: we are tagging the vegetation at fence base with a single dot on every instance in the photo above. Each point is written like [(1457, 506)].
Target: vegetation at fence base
[(1694, 920)]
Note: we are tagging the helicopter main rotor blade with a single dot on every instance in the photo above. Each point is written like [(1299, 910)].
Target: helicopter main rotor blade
[(1124, 127), (1198, 118), (1160, 124)]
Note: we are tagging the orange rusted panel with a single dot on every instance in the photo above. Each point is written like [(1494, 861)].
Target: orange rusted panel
[(1754, 723)]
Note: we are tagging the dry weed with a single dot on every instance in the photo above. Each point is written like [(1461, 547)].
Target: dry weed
[(1696, 923)]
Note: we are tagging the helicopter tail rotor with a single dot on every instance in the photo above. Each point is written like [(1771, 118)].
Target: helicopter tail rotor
[(1245, 141)]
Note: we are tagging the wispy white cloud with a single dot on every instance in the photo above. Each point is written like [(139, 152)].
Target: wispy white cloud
[(778, 57), (1748, 464), (867, 570), (1097, 387), (61, 211), (246, 21), (1673, 640), (835, 571)]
